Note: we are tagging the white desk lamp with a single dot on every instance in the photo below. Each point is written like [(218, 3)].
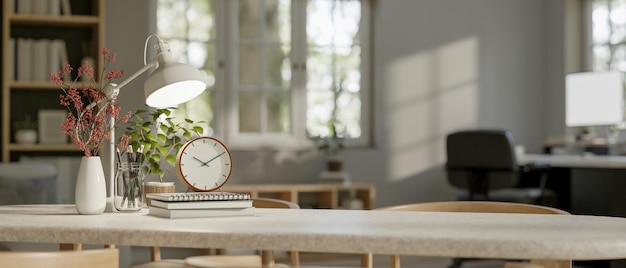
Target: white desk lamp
[(170, 84)]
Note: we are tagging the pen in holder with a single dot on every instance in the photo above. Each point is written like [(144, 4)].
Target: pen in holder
[(129, 184)]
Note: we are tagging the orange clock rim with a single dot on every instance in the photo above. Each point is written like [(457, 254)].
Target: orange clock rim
[(180, 172)]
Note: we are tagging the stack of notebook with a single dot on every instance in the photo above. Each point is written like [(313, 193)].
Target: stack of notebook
[(200, 204)]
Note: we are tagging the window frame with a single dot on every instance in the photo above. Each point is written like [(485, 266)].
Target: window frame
[(226, 115), (589, 43)]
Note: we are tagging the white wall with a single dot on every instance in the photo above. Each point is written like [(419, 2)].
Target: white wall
[(128, 24), (439, 65), (445, 65)]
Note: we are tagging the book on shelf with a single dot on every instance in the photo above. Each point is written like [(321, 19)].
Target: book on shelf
[(23, 6), (54, 7), (66, 7), (56, 56), (197, 196), (24, 51), (202, 204), (38, 7), (199, 213), (39, 66), (36, 58)]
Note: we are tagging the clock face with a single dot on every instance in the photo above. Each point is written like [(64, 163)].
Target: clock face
[(204, 164)]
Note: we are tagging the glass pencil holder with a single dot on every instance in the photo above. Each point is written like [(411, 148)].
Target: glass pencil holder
[(128, 187)]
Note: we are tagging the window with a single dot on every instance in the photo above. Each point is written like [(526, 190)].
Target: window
[(189, 27), (607, 42), (279, 71)]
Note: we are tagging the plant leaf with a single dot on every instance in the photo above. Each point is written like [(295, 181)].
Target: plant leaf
[(162, 150), (162, 137), (151, 137), (171, 159)]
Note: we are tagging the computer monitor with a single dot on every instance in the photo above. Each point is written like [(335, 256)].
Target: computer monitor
[(594, 99)]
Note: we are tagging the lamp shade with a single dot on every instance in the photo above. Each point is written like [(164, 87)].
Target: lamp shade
[(172, 83)]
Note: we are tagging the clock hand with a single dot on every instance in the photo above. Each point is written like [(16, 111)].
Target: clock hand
[(203, 163), (207, 162)]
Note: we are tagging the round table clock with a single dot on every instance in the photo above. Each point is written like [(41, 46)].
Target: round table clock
[(204, 164)]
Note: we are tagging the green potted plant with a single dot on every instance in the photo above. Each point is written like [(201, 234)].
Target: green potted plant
[(156, 137), (25, 130), (331, 146)]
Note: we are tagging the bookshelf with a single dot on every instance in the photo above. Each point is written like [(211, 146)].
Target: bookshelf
[(315, 195), (80, 25)]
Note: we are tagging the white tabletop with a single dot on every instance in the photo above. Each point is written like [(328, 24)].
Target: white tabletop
[(577, 161), (515, 236)]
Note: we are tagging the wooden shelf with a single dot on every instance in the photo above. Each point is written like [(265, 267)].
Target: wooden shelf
[(33, 85), (327, 193), (69, 21), (21, 98), (43, 147)]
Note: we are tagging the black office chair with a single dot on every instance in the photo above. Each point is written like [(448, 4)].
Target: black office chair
[(483, 166)]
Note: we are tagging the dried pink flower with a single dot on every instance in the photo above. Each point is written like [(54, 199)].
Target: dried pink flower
[(88, 121), (113, 74), (111, 57)]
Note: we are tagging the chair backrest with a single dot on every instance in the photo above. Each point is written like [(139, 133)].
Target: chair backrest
[(481, 160), (468, 206), (476, 206), (273, 203), (97, 258)]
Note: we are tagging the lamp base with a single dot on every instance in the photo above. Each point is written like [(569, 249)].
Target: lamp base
[(110, 208)]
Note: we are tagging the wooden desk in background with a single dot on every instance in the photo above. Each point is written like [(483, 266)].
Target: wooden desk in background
[(327, 195)]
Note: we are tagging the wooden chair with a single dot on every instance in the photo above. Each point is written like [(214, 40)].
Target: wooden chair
[(479, 207), (96, 258), (266, 259)]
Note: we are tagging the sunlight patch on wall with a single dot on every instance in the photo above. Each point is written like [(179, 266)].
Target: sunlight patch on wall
[(458, 108), (428, 95), (458, 64), (413, 160), (409, 79)]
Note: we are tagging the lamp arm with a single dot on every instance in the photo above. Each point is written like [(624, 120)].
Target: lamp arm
[(137, 73)]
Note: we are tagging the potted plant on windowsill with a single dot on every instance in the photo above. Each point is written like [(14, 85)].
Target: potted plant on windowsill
[(332, 146), (157, 138), (25, 130)]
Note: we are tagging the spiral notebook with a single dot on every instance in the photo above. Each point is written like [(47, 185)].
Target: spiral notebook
[(198, 196)]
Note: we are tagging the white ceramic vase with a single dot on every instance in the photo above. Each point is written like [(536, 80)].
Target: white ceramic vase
[(91, 192)]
